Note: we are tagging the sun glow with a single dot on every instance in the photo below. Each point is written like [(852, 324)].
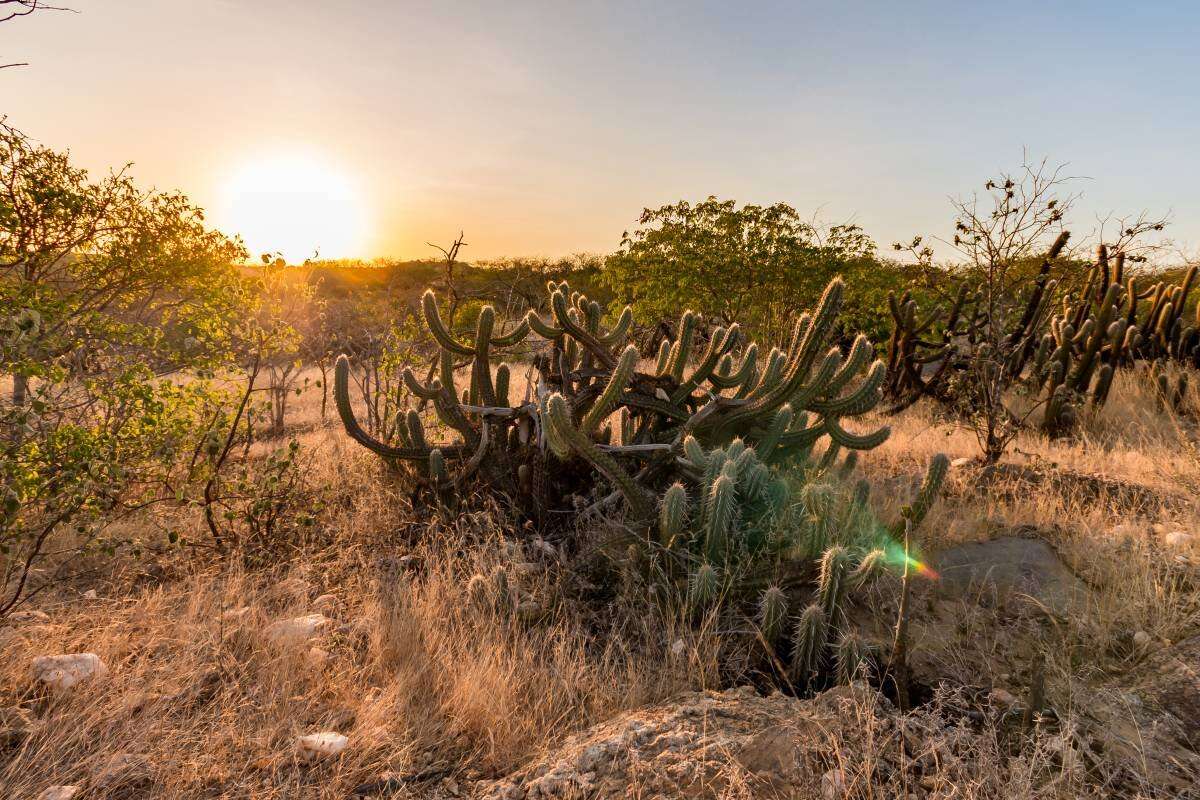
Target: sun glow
[(297, 205)]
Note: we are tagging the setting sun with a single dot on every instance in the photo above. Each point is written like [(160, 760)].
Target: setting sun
[(295, 204)]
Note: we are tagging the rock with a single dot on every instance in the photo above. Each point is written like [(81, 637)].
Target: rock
[(530, 610), (295, 587), (1008, 568), (62, 672), (1142, 639), (296, 630), (326, 603), (1149, 722), (1003, 698), (959, 463), (90, 594), (697, 744), (58, 793), (317, 746), (678, 648), (317, 657), (22, 617), (833, 785), (237, 614), (1179, 540)]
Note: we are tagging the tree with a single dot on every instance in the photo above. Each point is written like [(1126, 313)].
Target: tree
[(1015, 269), (105, 291), (12, 9), (755, 264)]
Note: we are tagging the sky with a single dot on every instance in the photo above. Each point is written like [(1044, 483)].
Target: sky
[(545, 128)]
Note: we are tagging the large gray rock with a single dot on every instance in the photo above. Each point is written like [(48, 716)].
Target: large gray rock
[(1008, 569)]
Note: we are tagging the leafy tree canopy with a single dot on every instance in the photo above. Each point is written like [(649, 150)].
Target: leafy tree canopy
[(754, 264)]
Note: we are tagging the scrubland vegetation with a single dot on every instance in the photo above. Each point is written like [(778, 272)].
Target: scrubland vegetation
[(885, 526)]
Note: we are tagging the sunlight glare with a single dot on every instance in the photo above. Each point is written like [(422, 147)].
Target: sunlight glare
[(294, 204)]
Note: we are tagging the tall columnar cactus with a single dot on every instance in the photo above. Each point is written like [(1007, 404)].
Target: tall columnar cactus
[(1068, 359), (592, 406)]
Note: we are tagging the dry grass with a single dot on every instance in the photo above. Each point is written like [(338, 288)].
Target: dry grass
[(425, 682), (418, 677)]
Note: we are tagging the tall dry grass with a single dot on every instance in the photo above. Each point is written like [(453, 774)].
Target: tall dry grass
[(427, 683)]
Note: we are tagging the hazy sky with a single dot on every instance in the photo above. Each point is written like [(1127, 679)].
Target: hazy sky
[(544, 128)]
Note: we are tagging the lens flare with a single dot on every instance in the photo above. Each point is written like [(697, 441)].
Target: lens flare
[(898, 558)]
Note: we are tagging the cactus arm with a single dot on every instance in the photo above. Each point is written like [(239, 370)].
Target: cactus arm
[(682, 347), (503, 379), (720, 344), (482, 391), (931, 489), (658, 406), (472, 464), (515, 336), (559, 418), (720, 518), (548, 332), (740, 377), (620, 330), (663, 358), (607, 401), (779, 424), (433, 320), (803, 438), (419, 389), (860, 401), (855, 441), (562, 316), (341, 396)]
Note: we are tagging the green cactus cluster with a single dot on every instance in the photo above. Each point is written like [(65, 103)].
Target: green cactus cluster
[(735, 533), (732, 461), (592, 407), (1067, 359)]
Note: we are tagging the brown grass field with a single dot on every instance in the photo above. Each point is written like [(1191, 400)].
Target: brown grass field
[(199, 703)]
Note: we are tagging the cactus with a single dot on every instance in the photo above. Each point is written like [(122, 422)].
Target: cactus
[(673, 514), (782, 406), (808, 649), (1068, 359), (930, 491), (852, 654), (772, 614), (831, 583), (703, 588)]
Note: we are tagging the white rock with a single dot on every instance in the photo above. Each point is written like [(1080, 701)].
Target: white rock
[(237, 614), (58, 793), (62, 672), (1141, 639), (294, 586), (677, 647), (959, 463), (326, 602), (833, 785), (296, 630), (90, 594), (27, 616), (316, 746), (1178, 539)]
